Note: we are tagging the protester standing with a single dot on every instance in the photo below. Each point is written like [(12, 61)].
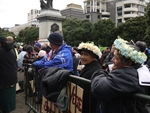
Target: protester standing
[(8, 76)]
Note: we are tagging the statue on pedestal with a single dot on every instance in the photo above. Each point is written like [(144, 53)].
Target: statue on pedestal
[(47, 5)]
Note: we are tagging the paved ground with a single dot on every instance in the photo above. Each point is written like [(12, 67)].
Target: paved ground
[(20, 104), (20, 98), (21, 107)]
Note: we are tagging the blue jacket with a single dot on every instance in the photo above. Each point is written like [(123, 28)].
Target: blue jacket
[(61, 58)]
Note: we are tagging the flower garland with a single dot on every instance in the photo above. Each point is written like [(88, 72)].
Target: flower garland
[(90, 47), (129, 52)]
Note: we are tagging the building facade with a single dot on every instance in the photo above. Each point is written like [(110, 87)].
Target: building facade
[(18, 28), (117, 10), (127, 9), (73, 11), (95, 10), (33, 14)]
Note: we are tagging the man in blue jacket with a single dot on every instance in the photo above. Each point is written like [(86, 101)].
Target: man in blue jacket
[(60, 56)]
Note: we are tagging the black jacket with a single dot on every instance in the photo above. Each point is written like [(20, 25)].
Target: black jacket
[(114, 91), (53, 82), (89, 69), (8, 66), (88, 100)]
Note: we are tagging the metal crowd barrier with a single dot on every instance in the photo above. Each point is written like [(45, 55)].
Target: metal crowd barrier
[(37, 108), (30, 94)]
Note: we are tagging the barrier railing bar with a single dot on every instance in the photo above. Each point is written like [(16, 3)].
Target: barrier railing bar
[(32, 108), (140, 96), (80, 79)]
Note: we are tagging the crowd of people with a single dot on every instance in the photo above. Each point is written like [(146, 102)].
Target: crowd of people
[(115, 73)]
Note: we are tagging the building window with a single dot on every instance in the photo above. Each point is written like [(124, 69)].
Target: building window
[(98, 10), (88, 3), (141, 8), (127, 5), (126, 19), (102, 10), (87, 16), (127, 12), (119, 13), (106, 16), (97, 3), (31, 12), (119, 20), (119, 8), (98, 16), (88, 10)]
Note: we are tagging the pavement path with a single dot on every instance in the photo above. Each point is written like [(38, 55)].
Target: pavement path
[(21, 107)]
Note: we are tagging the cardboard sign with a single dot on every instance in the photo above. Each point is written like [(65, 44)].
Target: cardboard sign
[(49, 107), (74, 93)]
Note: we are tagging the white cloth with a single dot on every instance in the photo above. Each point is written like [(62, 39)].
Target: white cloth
[(144, 76), (110, 67), (17, 87), (20, 59)]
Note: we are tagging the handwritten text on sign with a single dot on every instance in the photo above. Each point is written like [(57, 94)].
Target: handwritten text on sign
[(74, 94)]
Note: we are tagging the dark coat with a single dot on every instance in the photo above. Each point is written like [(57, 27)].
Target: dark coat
[(54, 80), (89, 69), (88, 100), (113, 90), (8, 66)]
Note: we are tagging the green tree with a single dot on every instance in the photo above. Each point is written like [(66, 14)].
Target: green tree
[(29, 34), (77, 31), (104, 33), (6, 33), (133, 29), (147, 15)]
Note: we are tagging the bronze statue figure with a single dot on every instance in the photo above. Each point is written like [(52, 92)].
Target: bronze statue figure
[(47, 5), (50, 3), (54, 27)]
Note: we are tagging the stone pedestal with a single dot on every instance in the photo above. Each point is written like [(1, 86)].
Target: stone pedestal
[(50, 20)]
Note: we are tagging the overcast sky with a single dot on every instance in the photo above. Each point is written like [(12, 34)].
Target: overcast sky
[(15, 11)]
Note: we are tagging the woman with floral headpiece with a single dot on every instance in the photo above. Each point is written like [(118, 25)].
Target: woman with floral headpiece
[(128, 76), (90, 55)]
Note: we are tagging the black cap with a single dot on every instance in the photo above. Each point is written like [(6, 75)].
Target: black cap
[(56, 38)]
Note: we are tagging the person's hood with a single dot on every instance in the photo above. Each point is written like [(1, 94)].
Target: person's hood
[(8, 46)]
